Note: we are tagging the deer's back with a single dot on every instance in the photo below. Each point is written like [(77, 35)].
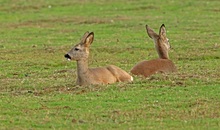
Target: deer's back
[(107, 75), (101, 75), (121, 75), (147, 68)]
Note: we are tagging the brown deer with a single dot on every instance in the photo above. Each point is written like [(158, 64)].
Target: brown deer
[(163, 63), (88, 76)]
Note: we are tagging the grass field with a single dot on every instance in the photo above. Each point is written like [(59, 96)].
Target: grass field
[(37, 84)]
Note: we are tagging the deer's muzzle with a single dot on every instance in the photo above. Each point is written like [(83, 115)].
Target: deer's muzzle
[(67, 56)]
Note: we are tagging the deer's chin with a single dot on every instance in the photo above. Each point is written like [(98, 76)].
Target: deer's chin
[(68, 59), (73, 59)]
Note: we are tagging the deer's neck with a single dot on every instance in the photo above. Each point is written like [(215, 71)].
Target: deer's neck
[(162, 52), (82, 70)]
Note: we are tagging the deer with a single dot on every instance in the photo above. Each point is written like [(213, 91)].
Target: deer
[(162, 64), (91, 76)]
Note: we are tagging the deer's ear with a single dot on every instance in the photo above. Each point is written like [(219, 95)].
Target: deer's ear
[(162, 31), (84, 37), (89, 39), (151, 33)]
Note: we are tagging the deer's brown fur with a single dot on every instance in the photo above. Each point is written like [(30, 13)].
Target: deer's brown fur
[(163, 63), (101, 75)]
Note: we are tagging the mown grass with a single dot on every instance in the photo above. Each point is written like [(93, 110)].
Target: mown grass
[(37, 84)]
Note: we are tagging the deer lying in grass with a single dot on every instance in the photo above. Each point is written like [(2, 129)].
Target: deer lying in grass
[(86, 75), (162, 64)]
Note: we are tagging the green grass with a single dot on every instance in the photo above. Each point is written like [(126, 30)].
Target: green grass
[(37, 84)]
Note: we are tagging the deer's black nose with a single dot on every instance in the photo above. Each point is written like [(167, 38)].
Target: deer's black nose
[(67, 56)]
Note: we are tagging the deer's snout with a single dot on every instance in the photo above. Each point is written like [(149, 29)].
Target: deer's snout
[(67, 56)]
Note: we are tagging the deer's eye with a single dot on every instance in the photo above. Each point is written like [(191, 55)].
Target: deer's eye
[(76, 49)]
